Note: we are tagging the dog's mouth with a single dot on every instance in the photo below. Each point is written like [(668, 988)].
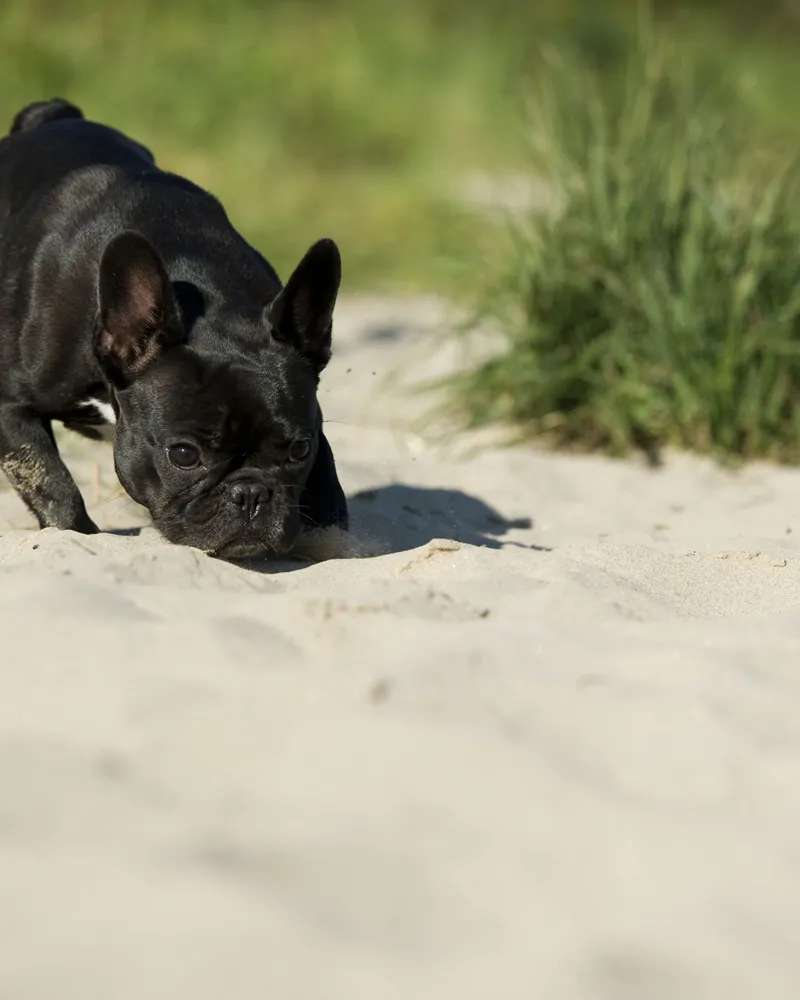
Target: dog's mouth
[(247, 541), (213, 527), (251, 548)]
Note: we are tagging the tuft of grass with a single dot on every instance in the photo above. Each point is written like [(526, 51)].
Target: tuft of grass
[(658, 301)]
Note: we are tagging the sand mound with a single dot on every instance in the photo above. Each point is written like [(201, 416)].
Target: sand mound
[(532, 730)]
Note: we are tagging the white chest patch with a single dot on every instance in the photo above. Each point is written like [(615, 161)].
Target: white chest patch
[(106, 410), (108, 429)]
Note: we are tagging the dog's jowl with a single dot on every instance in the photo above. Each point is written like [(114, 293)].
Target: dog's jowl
[(129, 303)]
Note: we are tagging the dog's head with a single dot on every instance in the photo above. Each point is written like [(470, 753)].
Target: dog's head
[(218, 447)]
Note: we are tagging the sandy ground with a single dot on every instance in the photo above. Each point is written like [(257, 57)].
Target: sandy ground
[(540, 740)]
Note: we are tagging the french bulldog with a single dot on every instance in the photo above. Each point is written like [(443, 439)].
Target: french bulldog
[(130, 304)]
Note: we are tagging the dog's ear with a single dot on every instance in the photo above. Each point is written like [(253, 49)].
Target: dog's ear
[(139, 316), (302, 314)]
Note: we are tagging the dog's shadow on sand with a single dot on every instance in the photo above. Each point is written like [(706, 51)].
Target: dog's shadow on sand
[(134, 532), (404, 517), (399, 518)]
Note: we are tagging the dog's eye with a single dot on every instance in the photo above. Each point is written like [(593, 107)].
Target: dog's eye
[(184, 455), (299, 450)]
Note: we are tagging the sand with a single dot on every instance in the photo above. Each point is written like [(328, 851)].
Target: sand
[(536, 736)]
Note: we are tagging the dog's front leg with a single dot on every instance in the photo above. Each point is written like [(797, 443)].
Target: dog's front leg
[(30, 459)]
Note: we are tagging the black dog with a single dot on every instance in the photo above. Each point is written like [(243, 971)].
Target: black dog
[(127, 298)]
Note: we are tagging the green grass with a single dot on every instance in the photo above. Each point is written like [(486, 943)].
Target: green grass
[(352, 120), (660, 303), (356, 119)]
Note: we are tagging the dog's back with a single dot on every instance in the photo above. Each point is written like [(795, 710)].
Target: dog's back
[(41, 112), (49, 140), (71, 184)]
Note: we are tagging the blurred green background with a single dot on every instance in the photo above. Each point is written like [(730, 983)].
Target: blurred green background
[(400, 128), (361, 119)]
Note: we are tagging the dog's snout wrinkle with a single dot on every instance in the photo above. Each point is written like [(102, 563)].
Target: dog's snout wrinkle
[(248, 498)]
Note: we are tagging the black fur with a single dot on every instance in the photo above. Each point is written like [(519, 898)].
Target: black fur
[(127, 285)]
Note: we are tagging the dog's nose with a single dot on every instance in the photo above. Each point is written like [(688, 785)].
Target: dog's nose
[(248, 497)]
